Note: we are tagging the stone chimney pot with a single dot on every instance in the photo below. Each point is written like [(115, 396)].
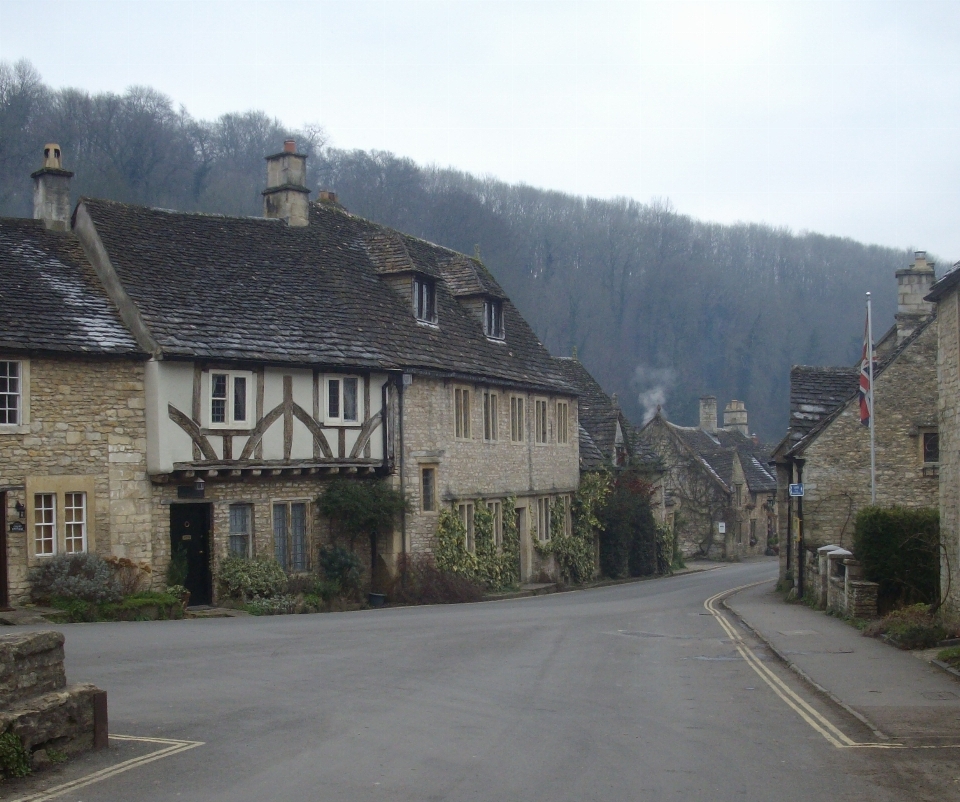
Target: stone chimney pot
[(708, 413), (913, 285), (735, 417), (51, 190), (286, 196)]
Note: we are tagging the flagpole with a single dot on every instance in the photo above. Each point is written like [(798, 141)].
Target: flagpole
[(873, 450)]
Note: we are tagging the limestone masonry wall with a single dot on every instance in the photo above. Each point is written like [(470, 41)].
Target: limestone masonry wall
[(948, 370), (86, 432), (836, 477)]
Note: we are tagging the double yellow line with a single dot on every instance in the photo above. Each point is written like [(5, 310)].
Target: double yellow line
[(169, 748), (822, 725)]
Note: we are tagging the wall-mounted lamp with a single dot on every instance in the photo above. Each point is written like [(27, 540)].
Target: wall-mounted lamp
[(21, 510), (199, 485)]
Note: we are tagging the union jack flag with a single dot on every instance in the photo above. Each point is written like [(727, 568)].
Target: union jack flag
[(865, 395)]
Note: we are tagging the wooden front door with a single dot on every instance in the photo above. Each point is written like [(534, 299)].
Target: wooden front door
[(4, 589), (190, 541)]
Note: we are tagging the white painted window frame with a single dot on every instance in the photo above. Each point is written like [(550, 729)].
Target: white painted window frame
[(22, 426), (340, 420), (250, 402), (541, 421)]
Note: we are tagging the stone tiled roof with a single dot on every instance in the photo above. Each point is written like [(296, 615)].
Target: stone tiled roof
[(591, 458), (52, 300), (716, 450), (946, 283), (815, 393), (253, 289), (818, 394)]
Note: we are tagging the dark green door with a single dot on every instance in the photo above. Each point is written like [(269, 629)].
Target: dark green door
[(190, 538)]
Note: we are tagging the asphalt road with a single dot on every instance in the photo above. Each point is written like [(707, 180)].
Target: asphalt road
[(630, 692)]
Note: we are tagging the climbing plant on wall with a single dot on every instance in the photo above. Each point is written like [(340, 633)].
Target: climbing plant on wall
[(495, 567), (574, 550)]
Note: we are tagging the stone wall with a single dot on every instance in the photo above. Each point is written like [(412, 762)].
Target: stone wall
[(948, 372), (86, 432), (836, 477), (473, 469), (38, 706)]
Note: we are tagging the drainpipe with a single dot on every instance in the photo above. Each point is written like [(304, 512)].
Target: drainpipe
[(800, 556), (789, 517), (405, 380)]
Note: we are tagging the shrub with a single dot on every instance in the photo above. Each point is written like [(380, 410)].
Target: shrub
[(243, 579), (278, 605), (84, 577), (950, 656), (342, 566), (178, 568), (913, 627), (628, 541), (75, 611), (130, 575), (359, 507), (899, 548), (419, 581), (14, 760)]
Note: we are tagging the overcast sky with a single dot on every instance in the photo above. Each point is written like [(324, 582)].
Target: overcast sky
[(828, 116)]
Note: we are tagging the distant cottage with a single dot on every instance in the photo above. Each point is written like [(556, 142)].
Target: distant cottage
[(191, 382), (716, 490)]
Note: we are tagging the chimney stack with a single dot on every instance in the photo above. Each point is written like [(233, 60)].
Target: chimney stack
[(286, 196), (913, 284), (708, 413), (51, 190), (735, 417)]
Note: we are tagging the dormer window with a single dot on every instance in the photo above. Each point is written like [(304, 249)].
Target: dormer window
[(425, 299), (493, 319)]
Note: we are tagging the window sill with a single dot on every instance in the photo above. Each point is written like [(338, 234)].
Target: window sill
[(227, 430), (497, 340), (339, 424), (429, 324), (18, 429)]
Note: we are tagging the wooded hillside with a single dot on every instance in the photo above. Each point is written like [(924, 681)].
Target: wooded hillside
[(661, 308)]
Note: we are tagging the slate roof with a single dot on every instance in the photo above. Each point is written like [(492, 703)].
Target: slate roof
[(51, 297), (254, 289)]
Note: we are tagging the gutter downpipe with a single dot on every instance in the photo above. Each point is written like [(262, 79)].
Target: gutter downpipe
[(800, 555), (400, 446), (790, 519)]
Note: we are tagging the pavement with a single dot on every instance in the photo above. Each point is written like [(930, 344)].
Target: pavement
[(899, 697), (643, 691)]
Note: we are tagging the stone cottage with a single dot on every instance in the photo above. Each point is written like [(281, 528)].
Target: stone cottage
[(828, 450), (716, 490), (273, 354), (945, 293), (73, 434)]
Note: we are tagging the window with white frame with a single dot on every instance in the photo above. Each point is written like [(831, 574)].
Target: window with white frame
[(11, 393), (74, 522), (343, 399), (461, 413), (465, 511), (517, 405), (493, 319), (491, 412), (563, 422), (290, 535), (230, 394), (241, 530), (496, 510), (425, 299), (543, 518), (45, 524), (540, 420)]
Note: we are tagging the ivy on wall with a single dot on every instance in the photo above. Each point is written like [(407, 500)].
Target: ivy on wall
[(495, 567), (574, 551)]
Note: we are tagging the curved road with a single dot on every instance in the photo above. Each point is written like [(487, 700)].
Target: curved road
[(631, 692)]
